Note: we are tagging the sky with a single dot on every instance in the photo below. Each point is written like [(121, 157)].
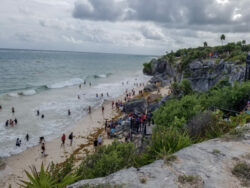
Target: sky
[(151, 27)]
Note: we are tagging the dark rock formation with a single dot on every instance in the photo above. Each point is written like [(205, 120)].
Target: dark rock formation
[(136, 106), (202, 74)]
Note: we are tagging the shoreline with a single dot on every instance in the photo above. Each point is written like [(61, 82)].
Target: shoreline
[(85, 130)]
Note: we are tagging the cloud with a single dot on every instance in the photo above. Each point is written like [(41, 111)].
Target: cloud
[(152, 33), (213, 15)]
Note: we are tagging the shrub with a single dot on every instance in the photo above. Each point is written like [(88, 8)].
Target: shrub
[(44, 179), (147, 68), (167, 141), (106, 160), (242, 170), (207, 125), (185, 87), (177, 112)]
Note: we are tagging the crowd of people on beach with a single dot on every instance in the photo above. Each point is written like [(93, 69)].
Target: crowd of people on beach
[(109, 126)]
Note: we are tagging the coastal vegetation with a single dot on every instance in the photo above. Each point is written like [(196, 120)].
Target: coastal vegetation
[(234, 51)]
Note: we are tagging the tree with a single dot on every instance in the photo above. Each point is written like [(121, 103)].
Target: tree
[(244, 42), (205, 44), (222, 37)]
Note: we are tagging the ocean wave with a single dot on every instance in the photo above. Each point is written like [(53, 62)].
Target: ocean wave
[(67, 83), (13, 94), (102, 75), (27, 92)]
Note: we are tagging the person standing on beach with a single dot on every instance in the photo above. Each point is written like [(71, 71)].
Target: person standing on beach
[(69, 113), (89, 84), (13, 110), (6, 123), (27, 137), (113, 104), (63, 139), (15, 120), (78, 96), (37, 112), (43, 149), (80, 86), (89, 109), (0, 107), (71, 138), (102, 109)]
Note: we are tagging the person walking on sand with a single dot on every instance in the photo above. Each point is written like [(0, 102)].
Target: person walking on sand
[(13, 110), (102, 109), (69, 113), (89, 109), (71, 138), (15, 120), (63, 139)]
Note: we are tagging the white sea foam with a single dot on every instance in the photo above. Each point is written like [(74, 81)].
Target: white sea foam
[(67, 83), (28, 92)]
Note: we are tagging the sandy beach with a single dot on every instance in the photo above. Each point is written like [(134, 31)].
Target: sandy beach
[(85, 131)]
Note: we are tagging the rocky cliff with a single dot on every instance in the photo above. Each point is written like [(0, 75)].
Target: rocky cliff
[(203, 74), (221, 162)]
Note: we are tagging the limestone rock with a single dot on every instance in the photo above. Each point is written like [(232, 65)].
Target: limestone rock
[(210, 163)]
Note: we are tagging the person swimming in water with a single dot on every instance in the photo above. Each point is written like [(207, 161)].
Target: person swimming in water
[(18, 142)]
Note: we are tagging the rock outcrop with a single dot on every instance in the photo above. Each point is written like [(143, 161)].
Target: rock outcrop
[(203, 74), (136, 106), (207, 164)]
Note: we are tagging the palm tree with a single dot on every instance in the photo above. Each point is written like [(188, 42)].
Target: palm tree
[(205, 44), (222, 37)]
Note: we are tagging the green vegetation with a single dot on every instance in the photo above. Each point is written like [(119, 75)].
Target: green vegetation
[(147, 68), (242, 171), (230, 52), (187, 179), (106, 160), (44, 179)]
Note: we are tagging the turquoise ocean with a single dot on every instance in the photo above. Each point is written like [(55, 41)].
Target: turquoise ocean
[(49, 81)]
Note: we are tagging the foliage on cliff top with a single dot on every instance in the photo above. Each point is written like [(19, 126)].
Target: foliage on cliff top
[(229, 52)]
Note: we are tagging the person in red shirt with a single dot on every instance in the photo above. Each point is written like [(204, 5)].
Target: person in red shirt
[(63, 139)]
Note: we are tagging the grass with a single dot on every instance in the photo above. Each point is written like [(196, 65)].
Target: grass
[(143, 180), (187, 179), (169, 159), (215, 151), (242, 171)]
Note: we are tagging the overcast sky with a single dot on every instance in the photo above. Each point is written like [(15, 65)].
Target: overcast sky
[(121, 26)]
